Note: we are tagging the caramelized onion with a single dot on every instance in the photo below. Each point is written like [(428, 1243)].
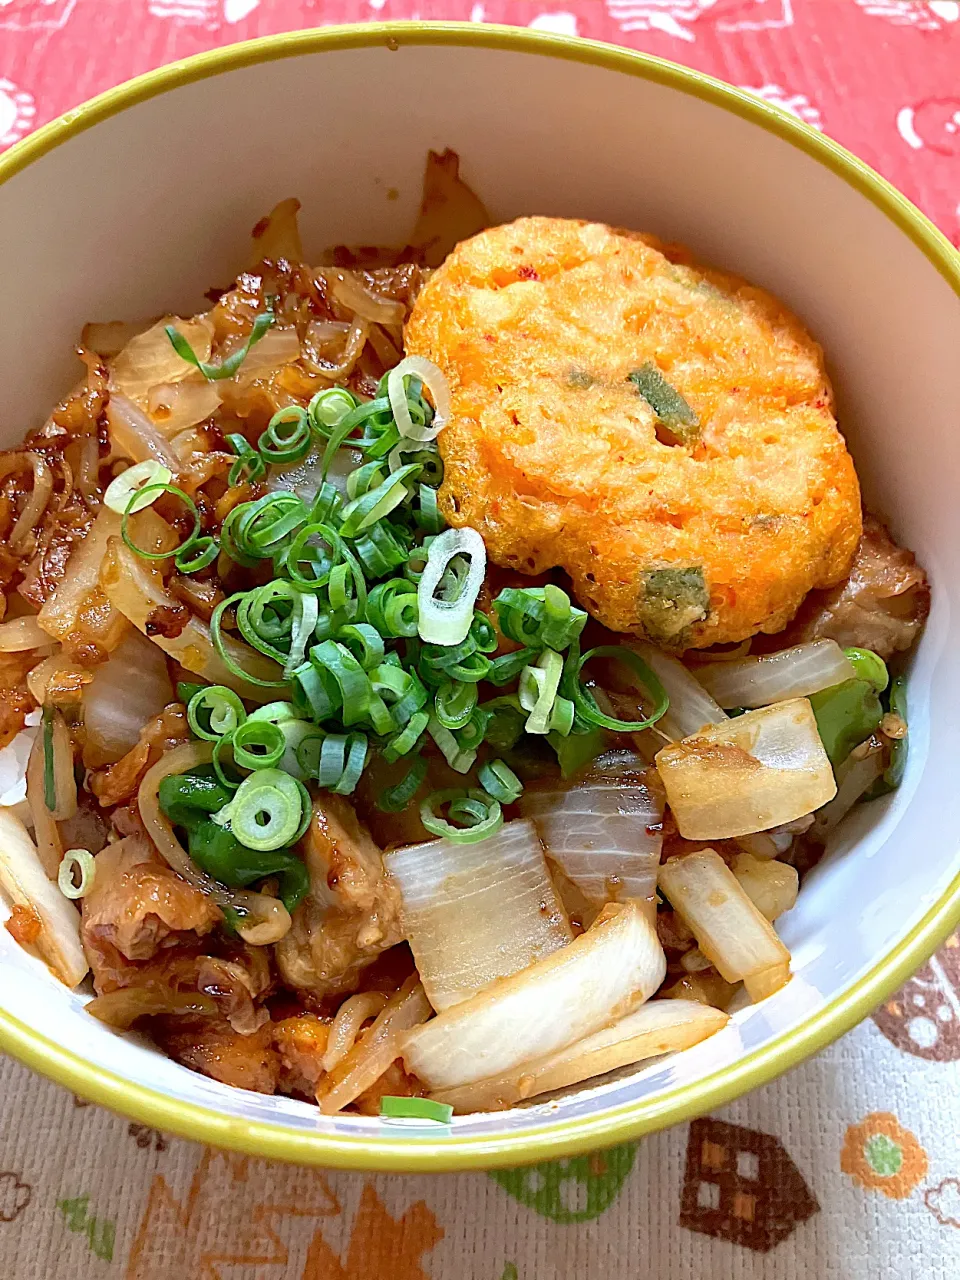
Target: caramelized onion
[(39, 495), (377, 1048), (351, 1016), (20, 634), (134, 436)]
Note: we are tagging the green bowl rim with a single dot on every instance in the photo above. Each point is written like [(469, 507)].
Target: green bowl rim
[(403, 1152)]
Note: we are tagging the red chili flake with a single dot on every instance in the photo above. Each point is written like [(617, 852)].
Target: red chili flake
[(527, 273)]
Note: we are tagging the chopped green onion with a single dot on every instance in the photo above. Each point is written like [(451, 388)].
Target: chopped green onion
[(538, 690), (509, 665), (499, 781), (196, 555), (373, 505), (666, 402), (392, 608), (436, 384), (86, 867), (404, 742), (124, 494), (459, 759), (479, 815), (539, 616), (342, 760), (258, 744), (287, 438), (443, 621), (396, 798), (186, 690), (227, 368), (216, 634), (328, 408), (156, 490), (392, 1108), (364, 642), (249, 465), (213, 711), (584, 700), (267, 811), (49, 773), (453, 703)]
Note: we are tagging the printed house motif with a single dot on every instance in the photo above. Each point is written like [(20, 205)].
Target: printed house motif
[(741, 1186)]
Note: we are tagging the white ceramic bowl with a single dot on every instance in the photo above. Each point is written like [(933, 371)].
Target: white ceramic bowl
[(136, 203)]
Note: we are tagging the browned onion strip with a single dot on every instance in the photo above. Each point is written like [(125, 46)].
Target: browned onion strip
[(268, 918), (88, 472), (21, 634), (377, 1048), (387, 351), (134, 436), (352, 293), (353, 346), (36, 503), (120, 1009), (351, 1016)]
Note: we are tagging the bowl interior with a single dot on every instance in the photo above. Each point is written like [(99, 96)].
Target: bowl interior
[(141, 213)]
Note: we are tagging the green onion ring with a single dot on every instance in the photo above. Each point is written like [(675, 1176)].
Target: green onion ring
[(225, 712), (158, 489), (258, 744), (478, 828), (395, 799), (584, 701)]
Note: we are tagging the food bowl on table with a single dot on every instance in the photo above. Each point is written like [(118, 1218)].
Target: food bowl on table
[(125, 209)]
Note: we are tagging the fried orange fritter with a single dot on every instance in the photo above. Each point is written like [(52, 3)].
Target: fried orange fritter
[(663, 432)]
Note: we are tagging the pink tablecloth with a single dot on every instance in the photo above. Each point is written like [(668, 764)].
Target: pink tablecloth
[(847, 1169)]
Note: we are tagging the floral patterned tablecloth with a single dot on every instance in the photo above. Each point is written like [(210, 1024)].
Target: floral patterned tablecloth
[(849, 1167)]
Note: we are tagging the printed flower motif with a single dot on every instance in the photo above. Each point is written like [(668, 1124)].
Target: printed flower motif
[(880, 1155), (14, 1196), (943, 1202)]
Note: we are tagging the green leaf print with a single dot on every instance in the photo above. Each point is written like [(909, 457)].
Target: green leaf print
[(101, 1234), (570, 1190), (883, 1155)]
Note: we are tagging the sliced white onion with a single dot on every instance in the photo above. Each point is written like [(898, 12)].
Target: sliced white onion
[(378, 1047), (134, 436), (20, 634), (771, 886), (855, 775), (120, 491), (126, 691), (603, 832), (773, 677), (364, 302), (730, 931), (150, 358), (691, 707), (278, 346), (448, 621), (25, 883), (474, 913), (58, 617), (660, 1026), (750, 773), (13, 767), (135, 588), (177, 406), (435, 383), (617, 964), (306, 477)]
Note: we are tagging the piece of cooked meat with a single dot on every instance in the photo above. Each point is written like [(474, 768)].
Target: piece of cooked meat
[(352, 912), (216, 1050), (663, 433), (301, 1042), (882, 605), (137, 907)]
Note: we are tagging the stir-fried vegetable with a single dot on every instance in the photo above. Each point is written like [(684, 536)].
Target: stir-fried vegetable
[(477, 912), (126, 692), (617, 964), (846, 714), (56, 921), (661, 1026), (751, 773), (774, 677), (730, 930), (691, 706), (605, 831), (771, 886)]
